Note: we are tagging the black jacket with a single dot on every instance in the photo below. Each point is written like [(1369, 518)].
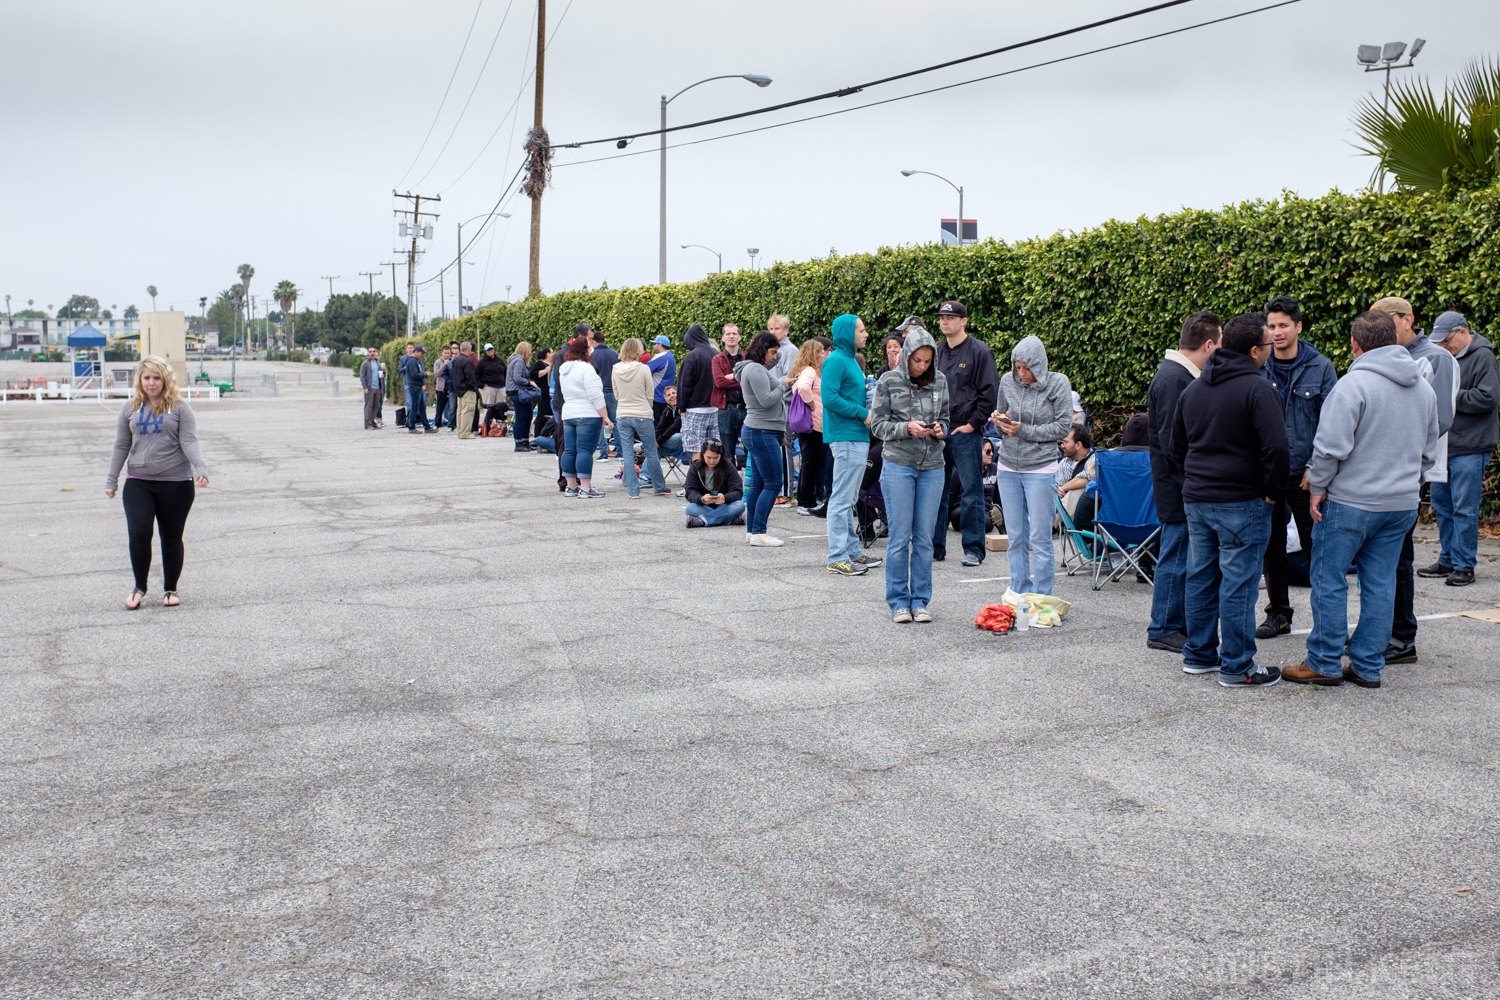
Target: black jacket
[(490, 372), (461, 374), (1166, 385), (1476, 429), (669, 423), (604, 359), (728, 482), (1229, 435), (695, 378), (973, 385)]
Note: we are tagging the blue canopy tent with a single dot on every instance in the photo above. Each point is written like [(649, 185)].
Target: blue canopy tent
[(85, 372)]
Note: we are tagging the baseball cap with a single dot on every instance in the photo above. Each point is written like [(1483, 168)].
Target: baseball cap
[(909, 322), (1446, 324), (1395, 305), (953, 308), (1077, 403), (663, 340), (419, 349), (489, 347)]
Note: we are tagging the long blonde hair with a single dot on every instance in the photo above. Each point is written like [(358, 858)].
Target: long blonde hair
[(811, 356), (524, 350), (169, 397), (632, 349)]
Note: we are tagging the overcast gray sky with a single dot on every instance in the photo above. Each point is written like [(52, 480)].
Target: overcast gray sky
[(166, 141)]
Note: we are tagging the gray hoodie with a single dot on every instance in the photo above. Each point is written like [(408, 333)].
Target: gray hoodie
[(1440, 371), (1377, 435), (161, 448), (898, 402), (1044, 409), (766, 396)]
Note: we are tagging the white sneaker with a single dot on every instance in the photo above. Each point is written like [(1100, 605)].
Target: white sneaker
[(769, 541)]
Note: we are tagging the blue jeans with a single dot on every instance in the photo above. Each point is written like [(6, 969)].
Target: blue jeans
[(580, 435), (911, 502), (1372, 541), (763, 477), (962, 452), (630, 430), (612, 438), (1456, 504), (450, 412), (849, 458), (716, 515), (1167, 614), (1226, 546), (1029, 500), (522, 419), (731, 420), (416, 406)]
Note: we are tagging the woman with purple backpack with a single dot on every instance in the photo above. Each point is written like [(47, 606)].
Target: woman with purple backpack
[(805, 419)]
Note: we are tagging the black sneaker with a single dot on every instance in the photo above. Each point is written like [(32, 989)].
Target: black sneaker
[(1400, 652), (1435, 571), (1274, 625), (1263, 677), (1460, 578), (1353, 678), (1172, 642)]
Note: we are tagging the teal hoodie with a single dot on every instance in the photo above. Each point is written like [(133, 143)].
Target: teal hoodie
[(844, 409)]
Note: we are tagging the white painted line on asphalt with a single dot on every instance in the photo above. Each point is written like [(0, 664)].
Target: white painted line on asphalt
[(985, 579), (1420, 618), (824, 535)]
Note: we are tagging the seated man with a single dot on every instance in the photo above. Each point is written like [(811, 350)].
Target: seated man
[(1078, 446), (669, 426)]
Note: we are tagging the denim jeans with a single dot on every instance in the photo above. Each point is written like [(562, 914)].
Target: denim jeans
[(716, 514), (1456, 504), (911, 502), (849, 458), (580, 435), (1167, 615), (731, 421), (439, 407), (762, 477), (522, 423), (451, 410), (1372, 541), (612, 438), (416, 406), (632, 429), (1226, 547), (962, 452), (1029, 501)]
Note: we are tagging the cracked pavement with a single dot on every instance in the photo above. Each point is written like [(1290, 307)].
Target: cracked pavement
[(423, 729)]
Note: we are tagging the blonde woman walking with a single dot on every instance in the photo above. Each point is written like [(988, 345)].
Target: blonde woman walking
[(156, 442)]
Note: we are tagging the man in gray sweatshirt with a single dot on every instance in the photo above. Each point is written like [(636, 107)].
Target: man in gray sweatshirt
[(1377, 436)]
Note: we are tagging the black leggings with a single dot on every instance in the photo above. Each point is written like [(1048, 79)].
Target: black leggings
[(811, 473), (167, 503)]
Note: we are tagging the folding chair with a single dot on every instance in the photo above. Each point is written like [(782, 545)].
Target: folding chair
[(1079, 547), (1126, 519)]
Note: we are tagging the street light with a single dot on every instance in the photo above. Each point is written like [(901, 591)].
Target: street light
[(959, 229), (716, 253), (753, 253), (1371, 58), (755, 78), (486, 215)]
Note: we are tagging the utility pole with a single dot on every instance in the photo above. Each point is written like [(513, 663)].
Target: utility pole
[(371, 276), (536, 180), (395, 332), (417, 229), (329, 278)]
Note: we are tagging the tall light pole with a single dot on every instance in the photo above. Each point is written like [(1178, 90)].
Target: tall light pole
[(959, 230), (1370, 57), (755, 78), (716, 253), (460, 257)]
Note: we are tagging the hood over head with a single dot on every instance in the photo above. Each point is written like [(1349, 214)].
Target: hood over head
[(1033, 354), (1224, 365), (843, 334), (695, 337), (917, 338), (1393, 361)]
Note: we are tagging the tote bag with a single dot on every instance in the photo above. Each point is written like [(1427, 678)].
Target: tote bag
[(799, 416)]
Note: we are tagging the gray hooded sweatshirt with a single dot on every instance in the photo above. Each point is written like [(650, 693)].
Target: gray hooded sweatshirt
[(150, 447), (898, 402), (766, 396), (1044, 409), (1377, 435)]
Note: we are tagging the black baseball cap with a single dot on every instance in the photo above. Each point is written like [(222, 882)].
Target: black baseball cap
[(953, 307)]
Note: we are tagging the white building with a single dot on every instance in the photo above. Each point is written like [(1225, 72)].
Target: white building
[(54, 332)]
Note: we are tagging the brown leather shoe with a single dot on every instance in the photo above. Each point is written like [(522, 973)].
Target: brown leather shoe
[(1353, 678), (1303, 674)]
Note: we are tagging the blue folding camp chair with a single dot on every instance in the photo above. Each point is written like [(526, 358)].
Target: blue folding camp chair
[(1126, 519), (1079, 547)]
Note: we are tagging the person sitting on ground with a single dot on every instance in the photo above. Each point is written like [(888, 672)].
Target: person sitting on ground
[(1137, 434), (669, 426), (713, 489), (1077, 500)]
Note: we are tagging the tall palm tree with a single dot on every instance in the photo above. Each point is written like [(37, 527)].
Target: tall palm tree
[(286, 298), (151, 291), (246, 272), (1433, 145)]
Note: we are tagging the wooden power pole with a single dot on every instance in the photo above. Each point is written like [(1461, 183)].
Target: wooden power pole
[(535, 183)]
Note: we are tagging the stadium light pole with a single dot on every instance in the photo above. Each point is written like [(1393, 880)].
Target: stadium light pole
[(755, 78), (958, 230), (1383, 59)]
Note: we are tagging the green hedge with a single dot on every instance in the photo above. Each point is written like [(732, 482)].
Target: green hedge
[(1107, 302)]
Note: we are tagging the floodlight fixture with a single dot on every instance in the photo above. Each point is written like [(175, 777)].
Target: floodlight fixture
[(1416, 47), (1369, 55), (758, 80), (1392, 51), (907, 173)]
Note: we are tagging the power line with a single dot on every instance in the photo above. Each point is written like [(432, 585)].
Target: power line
[(505, 194), (846, 91), (458, 62), (950, 86)]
